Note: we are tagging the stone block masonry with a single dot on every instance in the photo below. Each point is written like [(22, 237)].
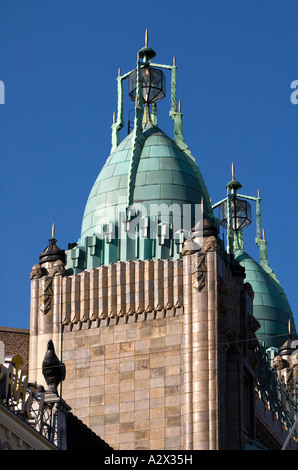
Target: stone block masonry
[(146, 345), (125, 381)]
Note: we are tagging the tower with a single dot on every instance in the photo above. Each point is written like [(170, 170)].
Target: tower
[(150, 314)]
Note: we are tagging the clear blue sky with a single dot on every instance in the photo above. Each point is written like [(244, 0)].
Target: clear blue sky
[(59, 60)]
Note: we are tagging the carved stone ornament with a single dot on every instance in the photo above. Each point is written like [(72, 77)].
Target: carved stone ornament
[(190, 246), (210, 244), (58, 268), (37, 272), (199, 272), (279, 363), (46, 296)]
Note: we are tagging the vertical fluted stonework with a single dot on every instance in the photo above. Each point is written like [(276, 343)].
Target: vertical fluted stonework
[(102, 293), (200, 351), (158, 284), (66, 293), (149, 285), (200, 363), (139, 287), (168, 299), (130, 295), (187, 353), (120, 289), (93, 306), (112, 283), (212, 283), (84, 296), (75, 299)]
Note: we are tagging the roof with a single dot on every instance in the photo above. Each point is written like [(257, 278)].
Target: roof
[(164, 174), (146, 172), (270, 305)]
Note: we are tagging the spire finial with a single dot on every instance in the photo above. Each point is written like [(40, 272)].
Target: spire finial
[(53, 231), (174, 61), (264, 236), (114, 117), (146, 52), (259, 193), (119, 72), (233, 171), (179, 107)]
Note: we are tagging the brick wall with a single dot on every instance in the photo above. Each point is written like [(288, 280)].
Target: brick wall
[(15, 341)]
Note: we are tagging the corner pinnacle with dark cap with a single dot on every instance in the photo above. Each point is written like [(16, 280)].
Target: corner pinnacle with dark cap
[(52, 252)]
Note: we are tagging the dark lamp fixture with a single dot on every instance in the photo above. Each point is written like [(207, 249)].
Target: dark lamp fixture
[(152, 82), (240, 213)]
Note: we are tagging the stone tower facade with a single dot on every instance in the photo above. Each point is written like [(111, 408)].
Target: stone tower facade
[(157, 333), (159, 354)]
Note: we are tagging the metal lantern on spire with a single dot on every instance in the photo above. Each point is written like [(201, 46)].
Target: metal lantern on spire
[(234, 212), (240, 213), (236, 209), (153, 81)]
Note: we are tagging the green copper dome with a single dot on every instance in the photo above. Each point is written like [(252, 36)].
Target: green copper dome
[(164, 175), (270, 305), (148, 195)]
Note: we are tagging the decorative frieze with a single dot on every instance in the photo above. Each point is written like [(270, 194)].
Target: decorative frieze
[(118, 320), (121, 289)]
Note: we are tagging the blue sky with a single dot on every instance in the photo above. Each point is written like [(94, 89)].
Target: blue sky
[(59, 62)]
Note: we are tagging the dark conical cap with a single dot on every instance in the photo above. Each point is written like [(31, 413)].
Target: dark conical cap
[(52, 252), (289, 345)]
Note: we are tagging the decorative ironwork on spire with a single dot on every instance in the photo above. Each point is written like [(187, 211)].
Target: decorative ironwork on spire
[(235, 213), (146, 85), (146, 88)]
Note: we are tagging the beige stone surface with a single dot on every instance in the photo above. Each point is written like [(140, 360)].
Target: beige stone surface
[(130, 388), (141, 344)]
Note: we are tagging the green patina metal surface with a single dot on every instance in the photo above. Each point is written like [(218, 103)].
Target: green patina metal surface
[(146, 168), (270, 305), (165, 175)]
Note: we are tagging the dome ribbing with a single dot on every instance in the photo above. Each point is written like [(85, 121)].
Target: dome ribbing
[(165, 175)]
